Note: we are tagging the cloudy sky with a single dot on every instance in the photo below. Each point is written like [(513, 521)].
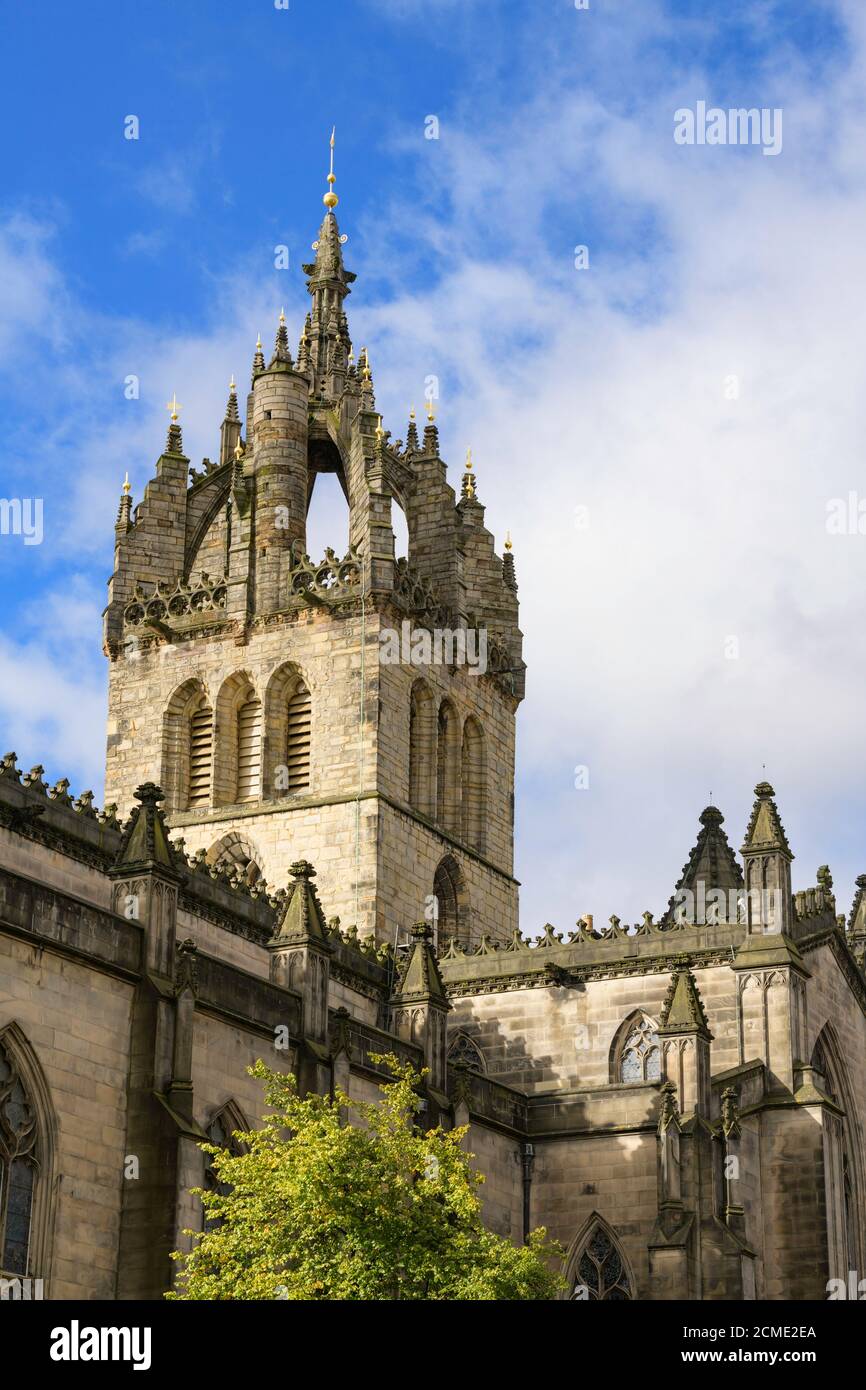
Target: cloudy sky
[(666, 430)]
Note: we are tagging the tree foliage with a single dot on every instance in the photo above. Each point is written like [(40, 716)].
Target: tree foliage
[(338, 1198)]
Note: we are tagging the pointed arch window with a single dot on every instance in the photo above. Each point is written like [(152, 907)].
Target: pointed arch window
[(842, 1162), (638, 1055), (462, 1051), (221, 1132), (25, 1163), (601, 1274), (200, 753)]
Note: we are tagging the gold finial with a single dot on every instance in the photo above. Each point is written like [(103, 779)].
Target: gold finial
[(258, 342), (239, 449), (469, 460), (330, 199), (125, 488), (507, 540), (351, 354), (431, 414), (412, 413), (232, 386), (174, 406), (282, 316), (366, 368), (380, 433)]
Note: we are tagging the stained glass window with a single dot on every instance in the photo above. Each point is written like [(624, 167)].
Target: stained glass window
[(601, 1273), (18, 1168), (640, 1059)]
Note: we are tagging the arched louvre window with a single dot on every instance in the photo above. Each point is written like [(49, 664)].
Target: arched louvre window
[(474, 798), (19, 1169), (452, 908), (298, 739), (250, 749), (422, 749), (200, 750), (448, 768), (641, 1058), (601, 1273)]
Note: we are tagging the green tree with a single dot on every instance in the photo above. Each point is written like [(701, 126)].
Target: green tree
[(373, 1208)]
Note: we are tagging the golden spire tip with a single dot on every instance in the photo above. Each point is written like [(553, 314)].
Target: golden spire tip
[(431, 414), (125, 488), (330, 199), (507, 540), (469, 460), (174, 406)]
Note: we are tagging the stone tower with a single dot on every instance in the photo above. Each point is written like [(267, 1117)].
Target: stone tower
[(354, 711)]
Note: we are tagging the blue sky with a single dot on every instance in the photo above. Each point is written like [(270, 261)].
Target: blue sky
[(606, 389)]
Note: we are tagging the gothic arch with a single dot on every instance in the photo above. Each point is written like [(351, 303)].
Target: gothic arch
[(843, 1164), (448, 768), (635, 1053), (452, 922), (187, 747), (238, 741), (422, 748), (287, 763), (474, 784), (213, 517), (236, 851), (596, 1267), (462, 1048), (28, 1149)]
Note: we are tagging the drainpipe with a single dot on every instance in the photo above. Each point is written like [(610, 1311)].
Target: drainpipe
[(528, 1157)]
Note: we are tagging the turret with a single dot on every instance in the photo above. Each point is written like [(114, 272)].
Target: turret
[(279, 425)]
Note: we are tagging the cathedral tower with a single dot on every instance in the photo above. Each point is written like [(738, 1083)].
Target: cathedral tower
[(357, 712)]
